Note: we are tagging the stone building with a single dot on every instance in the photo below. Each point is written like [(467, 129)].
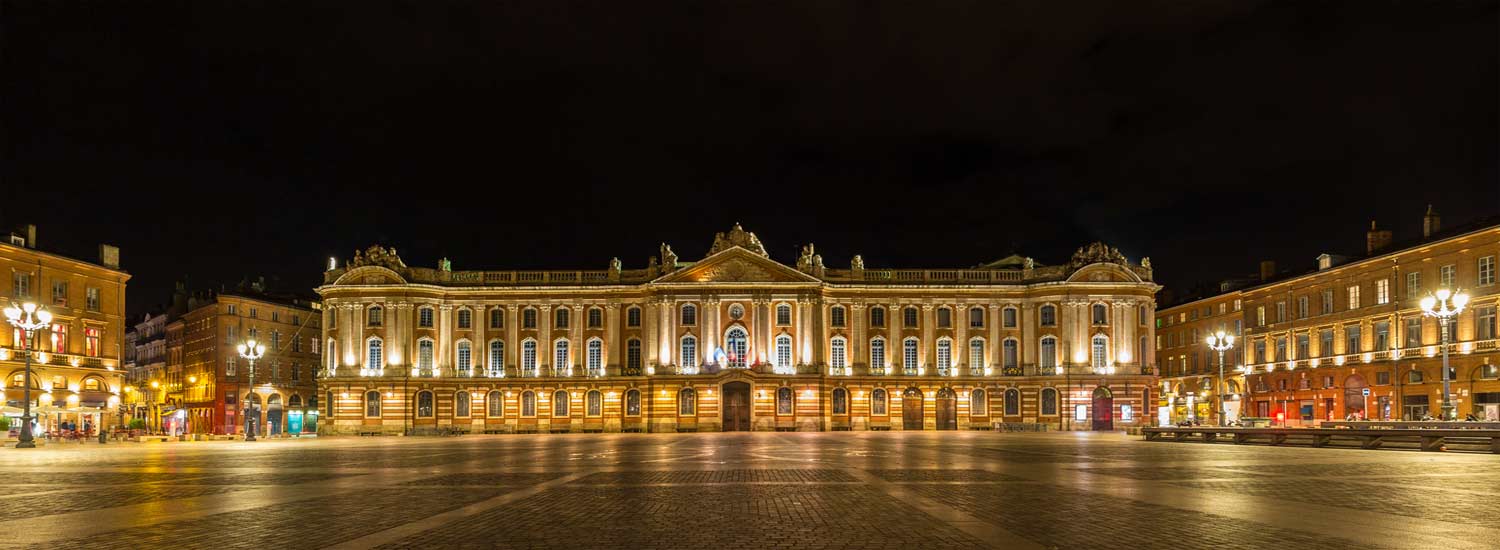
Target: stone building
[(736, 341)]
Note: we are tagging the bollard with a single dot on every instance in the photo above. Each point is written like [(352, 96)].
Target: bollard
[(102, 437)]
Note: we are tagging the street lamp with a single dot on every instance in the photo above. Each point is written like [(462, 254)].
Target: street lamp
[(27, 317), (251, 351), (1445, 305), (1220, 342)]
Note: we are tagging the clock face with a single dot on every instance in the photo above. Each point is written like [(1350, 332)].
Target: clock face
[(735, 312)]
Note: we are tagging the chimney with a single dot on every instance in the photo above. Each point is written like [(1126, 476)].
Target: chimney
[(1267, 269), (30, 235), (109, 256), (1431, 223), (1376, 239)]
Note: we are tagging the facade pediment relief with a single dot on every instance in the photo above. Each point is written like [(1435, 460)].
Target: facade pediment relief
[(1104, 273), (370, 275), (737, 265)]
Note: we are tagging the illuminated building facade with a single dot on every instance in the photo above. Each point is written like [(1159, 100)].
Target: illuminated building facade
[(736, 341)]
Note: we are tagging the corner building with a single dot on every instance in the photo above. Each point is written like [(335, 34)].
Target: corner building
[(737, 341)]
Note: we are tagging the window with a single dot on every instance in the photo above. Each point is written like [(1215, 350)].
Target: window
[(528, 357), (59, 293), (1101, 351), (836, 353), (1353, 292), (424, 404), (944, 354), (560, 403), (1484, 323), (496, 404), (297, 344), (296, 371), (1280, 349), (1012, 402), (424, 317), (1301, 307), (1446, 276), (1413, 332), (275, 340), (633, 403), (497, 318), (977, 404), (836, 316), (233, 310), (1260, 351), (424, 354), (22, 285), (461, 404), (1351, 339), (1303, 346), (1049, 402), (784, 351), (1260, 316), (1414, 377), (497, 356), (976, 353), (59, 338), (1486, 271), (1281, 312), (633, 356), (909, 355), (1048, 358), (737, 346), (92, 338), (1008, 317), (1382, 336), (688, 356), (877, 353), (230, 366), (465, 318), (689, 315), (877, 316), (596, 317), (1489, 371), (633, 317), (878, 402), (783, 314), (333, 361), (91, 294), (909, 317), (528, 403), (560, 357), (1327, 305), (1009, 352), (275, 316), (944, 317), (528, 318), (1382, 291), (1325, 342), (840, 401), (560, 318), (1383, 378), (593, 403), (1101, 314), (374, 316), (976, 317), (372, 404), (465, 358), (594, 359), (1413, 284), (1049, 316), (784, 400)]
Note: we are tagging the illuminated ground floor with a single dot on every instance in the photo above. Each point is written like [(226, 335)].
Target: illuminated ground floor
[(732, 401)]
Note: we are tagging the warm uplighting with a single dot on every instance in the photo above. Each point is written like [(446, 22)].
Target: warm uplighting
[(1445, 305), (192, 379), (155, 384)]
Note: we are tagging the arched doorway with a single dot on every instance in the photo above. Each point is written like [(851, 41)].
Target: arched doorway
[(1104, 407), (736, 407), (273, 414), (911, 409), (1354, 396), (947, 410), (252, 414), (736, 348)]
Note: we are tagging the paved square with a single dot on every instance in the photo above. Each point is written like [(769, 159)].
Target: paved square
[(745, 490)]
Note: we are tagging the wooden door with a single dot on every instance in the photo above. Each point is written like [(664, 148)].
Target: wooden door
[(736, 407), (947, 410), (911, 409)]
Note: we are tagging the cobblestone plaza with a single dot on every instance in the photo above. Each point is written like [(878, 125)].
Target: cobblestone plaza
[(745, 490)]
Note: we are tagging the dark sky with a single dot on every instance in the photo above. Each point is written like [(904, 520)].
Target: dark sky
[(218, 139)]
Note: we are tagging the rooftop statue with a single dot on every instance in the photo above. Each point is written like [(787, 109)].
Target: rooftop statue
[(377, 255), (737, 236)]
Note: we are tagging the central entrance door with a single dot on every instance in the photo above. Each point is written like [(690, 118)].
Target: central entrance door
[(947, 410), (911, 409), (736, 407), (1104, 409)]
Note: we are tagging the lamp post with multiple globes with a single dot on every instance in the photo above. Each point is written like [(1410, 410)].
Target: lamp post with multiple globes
[(251, 350), (1445, 305), (27, 317), (1221, 343)]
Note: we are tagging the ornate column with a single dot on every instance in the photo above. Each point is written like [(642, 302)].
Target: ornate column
[(650, 333), (544, 349), (480, 355), (612, 324), (1148, 355), (445, 339), (927, 348), (961, 338), (895, 345), (859, 340), (1028, 333), (351, 344), (669, 331), (1067, 325), (577, 347), (512, 335), (711, 328), (994, 348), (802, 325)]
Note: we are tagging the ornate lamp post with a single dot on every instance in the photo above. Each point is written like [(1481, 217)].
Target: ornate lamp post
[(1221, 343), (27, 317), (1445, 305), (251, 351)]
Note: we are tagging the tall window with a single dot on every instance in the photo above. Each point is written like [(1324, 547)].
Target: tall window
[(595, 358), (461, 404), (1009, 349), (836, 316), (596, 317), (465, 318), (528, 357), (877, 353), (784, 352), (1048, 316), (1382, 337), (22, 285), (560, 318), (424, 354), (497, 318), (633, 317), (1327, 305), (496, 402), (1413, 284), (497, 357), (528, 403), (736, 344), (689, 351), (375, 359), (1351, 339), (1012, 402), (909, 355), (877, 316), (528, 318), (92, 338), (633, 356), (1302, 307), (376, 316), (59, 338), (633, 403), (593, 404), (1049, 402), (689, 315), (944, 354), (560, 356), (1353, 291), (1484, 323), (372, 404), (276, 340), (1101, 351), (1413, 332), (840, 401), (977, 404), (909, 317), (1281, 311), (1260, 316), (784, 400), (976, 353), (424, 404), (1101, 314), (1446, 276), (1487, 270), (333, 360), (91, 294), (230, 366), (1048, 357), (424, 317), (783, 314), (1382, 291), (944, 317), (560, 403), (687, 402), (836, 351), (976, 317), (878, 402), (1008, 317), (465, 357)]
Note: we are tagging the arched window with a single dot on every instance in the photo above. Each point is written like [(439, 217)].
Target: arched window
[(595, 358), (560, 356), (909, 317), (840, 401), (877, 316), (372, 404), (1048, 358), (376, 315), (1101, 351), (461, 404), (784, 400), (465, 358), (688, 351), (877, 353), (1049, 402), (633, 403), (976, 353), (836, 352), (978, 405), (92, 384), (633, 317), (528, 317), (424, 354), (836, 316), (560, 318), (909, 355), (424, 404), (593, 404), (465, 318), (496, 404), (689, 315), (687, 402), (944, 317), (497, 318), (633, 356), (1101, 314), (596, 317), (560, 403), (1009, 352), (1048, 316), (424, 317), (976, 317), (1012, 402), (737, 346), (944, 354), (295, 401), (784, 352), (528, 357), (528, 403), (878, 402), (375, 360), (497, 357), (783, 314)]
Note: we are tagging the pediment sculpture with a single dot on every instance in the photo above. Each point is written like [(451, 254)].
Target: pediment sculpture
[(1098, 252), (378, 256), (737, 236)]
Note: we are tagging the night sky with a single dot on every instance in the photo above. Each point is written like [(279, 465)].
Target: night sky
[(215, 140)]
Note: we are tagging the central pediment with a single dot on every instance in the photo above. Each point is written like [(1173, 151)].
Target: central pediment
[(737, 265)]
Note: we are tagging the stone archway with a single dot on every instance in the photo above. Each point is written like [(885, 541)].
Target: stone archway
[(736, 409), (1104, 409), (947, 409), (911, 409)]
